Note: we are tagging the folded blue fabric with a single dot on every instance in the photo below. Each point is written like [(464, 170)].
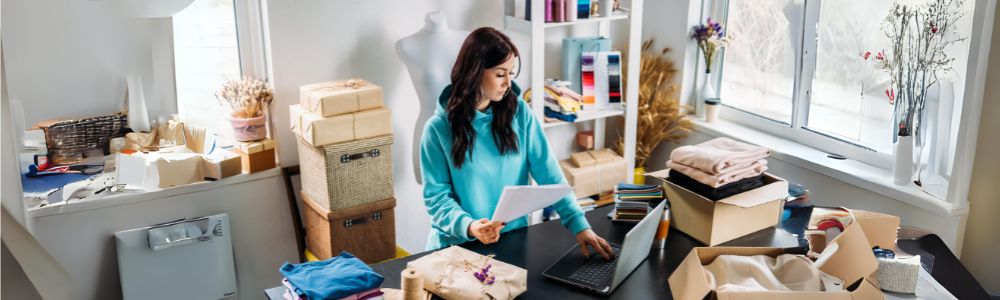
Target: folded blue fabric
[(334, 278), (559, 116)]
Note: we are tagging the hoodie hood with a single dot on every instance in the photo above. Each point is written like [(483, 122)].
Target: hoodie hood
[(446, 93)]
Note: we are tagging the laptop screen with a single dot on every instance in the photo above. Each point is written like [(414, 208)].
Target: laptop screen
[(637, 243)]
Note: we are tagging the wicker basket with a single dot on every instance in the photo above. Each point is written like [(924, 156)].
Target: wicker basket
[(347, 174), (367, 231), (69, 140)]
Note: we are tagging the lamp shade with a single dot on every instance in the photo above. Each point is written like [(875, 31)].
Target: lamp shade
[(150, 8)]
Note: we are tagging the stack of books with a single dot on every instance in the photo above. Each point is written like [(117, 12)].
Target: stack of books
[(634, 201)]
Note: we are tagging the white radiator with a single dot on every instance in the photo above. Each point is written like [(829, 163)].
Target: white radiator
[(184, 259)]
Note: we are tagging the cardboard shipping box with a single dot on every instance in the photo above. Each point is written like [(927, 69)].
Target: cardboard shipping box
[(717, 222), (333, 98), (221, 164), (256, 156), (316, 130), (597, 178), (848, 257)]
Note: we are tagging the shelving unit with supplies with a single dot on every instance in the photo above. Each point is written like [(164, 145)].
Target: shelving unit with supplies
[(536, 30)]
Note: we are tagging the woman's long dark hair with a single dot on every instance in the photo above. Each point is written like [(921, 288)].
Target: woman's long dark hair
[(485, 48)]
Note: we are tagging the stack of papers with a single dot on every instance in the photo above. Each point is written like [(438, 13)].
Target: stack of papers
[(633, 201)]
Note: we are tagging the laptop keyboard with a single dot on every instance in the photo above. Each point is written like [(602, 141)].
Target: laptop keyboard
[(596, 270)]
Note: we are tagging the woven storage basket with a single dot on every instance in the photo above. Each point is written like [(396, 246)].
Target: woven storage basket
[(69, 140), (368, 231), (348, 174)]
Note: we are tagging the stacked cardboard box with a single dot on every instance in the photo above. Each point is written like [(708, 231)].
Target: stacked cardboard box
[(594, 172), (345, 159)]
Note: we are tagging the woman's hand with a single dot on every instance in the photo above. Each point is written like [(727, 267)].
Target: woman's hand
[(485, 231), (587, 237)]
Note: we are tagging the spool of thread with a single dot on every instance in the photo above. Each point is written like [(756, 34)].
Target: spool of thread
[(660, 241), (413, 284)]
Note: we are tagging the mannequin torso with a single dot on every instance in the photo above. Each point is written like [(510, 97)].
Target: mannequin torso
[(429, 55)]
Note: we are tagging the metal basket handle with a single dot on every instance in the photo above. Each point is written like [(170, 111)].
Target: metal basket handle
[(346, 158)]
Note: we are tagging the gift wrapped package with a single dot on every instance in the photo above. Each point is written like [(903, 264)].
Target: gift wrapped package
[(340, 97), (256, 156), (451, 273)]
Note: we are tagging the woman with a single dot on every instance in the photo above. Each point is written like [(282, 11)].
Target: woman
[(481, 139)]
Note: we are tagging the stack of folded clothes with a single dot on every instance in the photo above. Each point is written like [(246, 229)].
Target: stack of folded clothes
[(633, 201), (718, 168), (339, 277), (561, 103)]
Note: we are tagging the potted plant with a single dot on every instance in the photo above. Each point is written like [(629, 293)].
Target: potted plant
[(918, 37), (660, 117), (246, 101)]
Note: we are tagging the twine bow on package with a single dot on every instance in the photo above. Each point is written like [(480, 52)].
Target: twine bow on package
[(457, 273)]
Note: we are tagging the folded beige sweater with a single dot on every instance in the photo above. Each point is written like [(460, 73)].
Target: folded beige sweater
[(719, 155), (717, 180)]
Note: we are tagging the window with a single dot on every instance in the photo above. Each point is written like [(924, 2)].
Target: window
[(795, 69), (214, 41), (760, 65)]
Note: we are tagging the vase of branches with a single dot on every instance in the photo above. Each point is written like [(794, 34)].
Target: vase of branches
[(660, 118), (246, 101), (919, 36)]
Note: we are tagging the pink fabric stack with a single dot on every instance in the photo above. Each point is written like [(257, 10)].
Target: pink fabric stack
[(719, 161)]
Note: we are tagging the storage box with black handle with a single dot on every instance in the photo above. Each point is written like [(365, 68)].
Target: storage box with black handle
[(348, 174), (367, 231)]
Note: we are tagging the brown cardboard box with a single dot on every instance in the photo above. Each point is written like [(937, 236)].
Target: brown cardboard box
[(317, 130), (604, 156), (716, 222), (367, 231), (333, 98), (256, 156), (849, 258), (222, 164), (582, 160), (596, 179), (372, 123)]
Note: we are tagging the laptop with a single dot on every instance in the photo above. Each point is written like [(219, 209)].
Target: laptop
[(599, 275)]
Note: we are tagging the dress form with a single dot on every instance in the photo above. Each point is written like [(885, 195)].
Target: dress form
[(429, 55)]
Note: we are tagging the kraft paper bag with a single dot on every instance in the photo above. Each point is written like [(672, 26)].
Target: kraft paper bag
[(449, 273)]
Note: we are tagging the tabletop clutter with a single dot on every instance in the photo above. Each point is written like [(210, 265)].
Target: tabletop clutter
[(114, 158), (719, 191), (344, 136)]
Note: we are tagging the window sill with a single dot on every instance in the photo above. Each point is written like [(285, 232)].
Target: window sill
[(853, 172), (137, 197)]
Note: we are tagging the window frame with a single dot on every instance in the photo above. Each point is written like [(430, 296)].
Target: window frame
[(252, 48), (805, 69)]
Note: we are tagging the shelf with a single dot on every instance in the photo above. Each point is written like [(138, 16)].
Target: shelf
[(589, 115), (524, 26)]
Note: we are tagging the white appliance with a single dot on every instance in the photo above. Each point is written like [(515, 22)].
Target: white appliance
[(183, 259)]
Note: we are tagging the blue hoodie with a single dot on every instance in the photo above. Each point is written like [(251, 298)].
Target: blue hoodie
[(455, 197)]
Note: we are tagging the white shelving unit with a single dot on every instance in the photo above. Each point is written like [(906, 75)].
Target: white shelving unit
[(536, 30)]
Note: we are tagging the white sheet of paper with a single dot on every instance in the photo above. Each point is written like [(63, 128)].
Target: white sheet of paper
[(517, 201)]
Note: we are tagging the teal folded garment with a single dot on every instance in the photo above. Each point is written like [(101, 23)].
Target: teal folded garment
[(334, 278)]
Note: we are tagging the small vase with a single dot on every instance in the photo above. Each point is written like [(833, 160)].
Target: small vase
[(707, 91), (639, 175), (249, 129), (902, 168)]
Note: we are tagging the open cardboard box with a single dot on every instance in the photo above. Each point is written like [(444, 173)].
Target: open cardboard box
[(848, 257), (717, 222)]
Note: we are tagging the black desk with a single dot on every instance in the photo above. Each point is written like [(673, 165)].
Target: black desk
[(536, 247)]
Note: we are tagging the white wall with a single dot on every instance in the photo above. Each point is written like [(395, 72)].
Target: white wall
[(315, 40), (61, 54), (262, 234), (981, 238)]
